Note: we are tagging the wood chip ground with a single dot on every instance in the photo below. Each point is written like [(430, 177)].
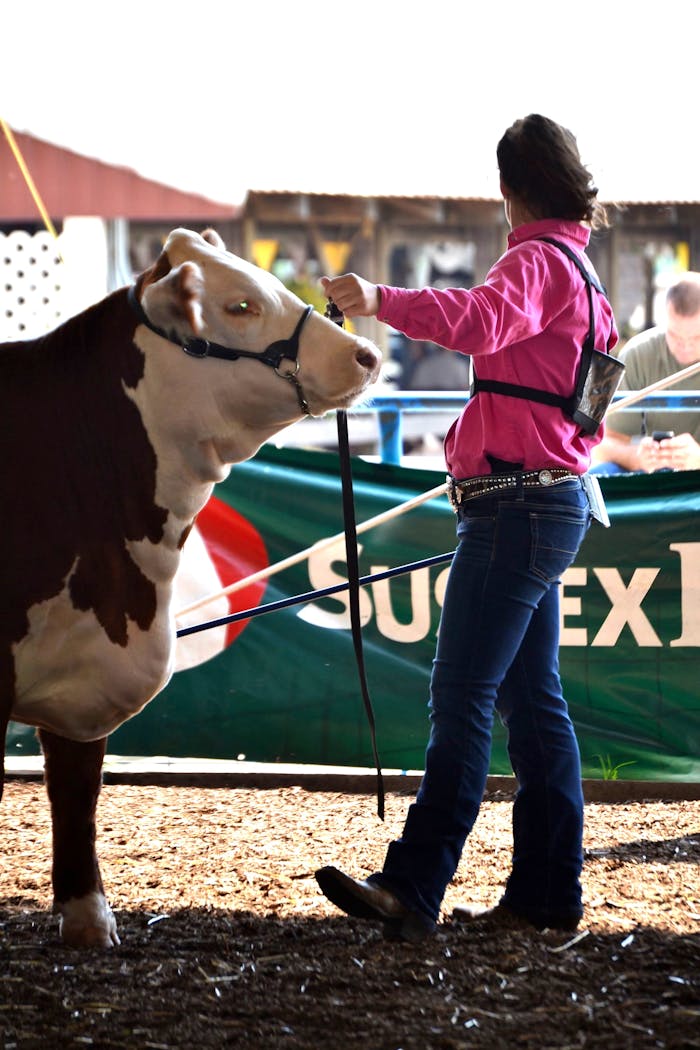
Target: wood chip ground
[(227, 942)]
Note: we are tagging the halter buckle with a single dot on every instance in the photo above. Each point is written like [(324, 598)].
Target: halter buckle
[(292, 372), (199, 349)]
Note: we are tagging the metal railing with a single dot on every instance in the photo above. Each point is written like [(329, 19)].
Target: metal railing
[(391, 409)]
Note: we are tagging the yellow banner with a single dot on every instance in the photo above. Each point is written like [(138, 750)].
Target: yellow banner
[(336, 254), (264, 253)]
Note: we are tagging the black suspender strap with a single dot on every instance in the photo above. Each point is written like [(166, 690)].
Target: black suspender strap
[(546, 397), (588, 277), (525, 393)]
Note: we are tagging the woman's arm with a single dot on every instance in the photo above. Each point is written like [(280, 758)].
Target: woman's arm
[(518, 299)]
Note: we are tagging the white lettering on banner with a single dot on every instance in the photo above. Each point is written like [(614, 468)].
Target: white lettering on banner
[(321, 575), (690, 593), (625, 600), (441, 587), (626, 607), (387, 624)]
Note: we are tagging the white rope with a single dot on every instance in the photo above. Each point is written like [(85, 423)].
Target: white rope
[(660, 384), (294, 559)]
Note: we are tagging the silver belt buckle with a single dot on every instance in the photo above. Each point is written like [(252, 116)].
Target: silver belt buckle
[(545, 477)]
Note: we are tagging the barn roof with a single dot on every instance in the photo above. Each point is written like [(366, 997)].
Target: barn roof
[(71, 184), (651, 195)]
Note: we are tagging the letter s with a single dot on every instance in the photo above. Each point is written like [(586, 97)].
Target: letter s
[(321, 575)]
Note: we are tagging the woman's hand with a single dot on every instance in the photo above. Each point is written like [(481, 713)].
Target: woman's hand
[(681, 452), (352, 294)]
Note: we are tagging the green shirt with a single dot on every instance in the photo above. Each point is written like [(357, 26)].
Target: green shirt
[(647, 359)]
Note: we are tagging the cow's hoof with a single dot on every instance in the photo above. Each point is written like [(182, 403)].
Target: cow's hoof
[(87, 922)]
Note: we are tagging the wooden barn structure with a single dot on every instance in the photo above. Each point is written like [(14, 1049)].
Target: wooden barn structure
[(301, 234)]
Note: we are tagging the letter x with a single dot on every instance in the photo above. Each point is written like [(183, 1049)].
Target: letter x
[(626, 607)]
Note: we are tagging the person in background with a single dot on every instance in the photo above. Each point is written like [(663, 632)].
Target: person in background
[(517, 483), (628, 445), (437, 371)]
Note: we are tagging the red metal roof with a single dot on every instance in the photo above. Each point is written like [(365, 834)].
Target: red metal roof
[(71, 184)]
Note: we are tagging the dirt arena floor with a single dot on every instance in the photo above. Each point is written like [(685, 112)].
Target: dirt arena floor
[(227, 942)]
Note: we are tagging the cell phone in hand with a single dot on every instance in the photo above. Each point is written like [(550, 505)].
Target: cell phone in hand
[(661, 435)]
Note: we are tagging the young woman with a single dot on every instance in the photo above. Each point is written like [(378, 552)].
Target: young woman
[(516, 466)]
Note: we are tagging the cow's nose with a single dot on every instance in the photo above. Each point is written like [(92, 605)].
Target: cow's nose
[(368, 357)]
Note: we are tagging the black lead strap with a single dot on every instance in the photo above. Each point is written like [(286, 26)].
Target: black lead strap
[(351, 557)]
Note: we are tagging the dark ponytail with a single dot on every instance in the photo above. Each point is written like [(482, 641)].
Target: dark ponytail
[(539, 162)]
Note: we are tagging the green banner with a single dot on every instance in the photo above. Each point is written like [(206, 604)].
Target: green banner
[(285, 688)]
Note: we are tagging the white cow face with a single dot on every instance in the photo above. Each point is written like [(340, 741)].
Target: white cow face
[(198, 289)]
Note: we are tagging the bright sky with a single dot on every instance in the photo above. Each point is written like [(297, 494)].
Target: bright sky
[(373, 96)]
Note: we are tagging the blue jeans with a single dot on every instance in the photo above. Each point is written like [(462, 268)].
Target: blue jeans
[(498, 650)]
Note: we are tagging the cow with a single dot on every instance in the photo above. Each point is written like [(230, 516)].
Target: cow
[(114, 430)]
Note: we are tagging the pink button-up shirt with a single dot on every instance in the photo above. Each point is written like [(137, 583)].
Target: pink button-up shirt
[(525, 324)]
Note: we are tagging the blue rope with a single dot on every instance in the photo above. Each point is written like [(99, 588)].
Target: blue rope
[(300, 599)]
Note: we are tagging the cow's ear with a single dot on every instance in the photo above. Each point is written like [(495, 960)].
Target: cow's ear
[(189, 295), (212, 237), (174, 303)]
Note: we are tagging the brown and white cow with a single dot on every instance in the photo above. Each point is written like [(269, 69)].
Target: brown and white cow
[(111, 440)]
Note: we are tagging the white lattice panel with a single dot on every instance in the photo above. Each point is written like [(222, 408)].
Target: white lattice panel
[(32, 283), (38, 291)]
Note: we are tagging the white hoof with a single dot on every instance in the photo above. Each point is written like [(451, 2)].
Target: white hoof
[(87, 922)]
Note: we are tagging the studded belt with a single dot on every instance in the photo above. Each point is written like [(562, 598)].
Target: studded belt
[(492, 484)]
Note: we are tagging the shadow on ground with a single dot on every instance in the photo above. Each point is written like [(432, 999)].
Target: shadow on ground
[(206, 978)]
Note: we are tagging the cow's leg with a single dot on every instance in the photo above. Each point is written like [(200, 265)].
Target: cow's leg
[(7, 692), (3, 736), (73, 774)]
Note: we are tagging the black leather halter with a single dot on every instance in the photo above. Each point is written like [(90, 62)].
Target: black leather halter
[(272, 356)]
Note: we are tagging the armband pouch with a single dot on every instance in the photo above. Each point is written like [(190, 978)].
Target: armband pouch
[(600, 382)]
